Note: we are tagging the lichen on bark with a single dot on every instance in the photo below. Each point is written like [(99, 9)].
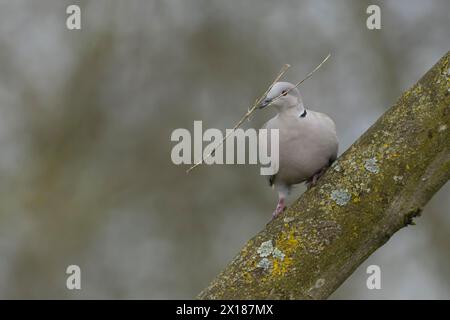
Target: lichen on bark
[(374, 189)]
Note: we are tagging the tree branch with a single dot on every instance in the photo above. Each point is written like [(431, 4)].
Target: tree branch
[(374, 189)]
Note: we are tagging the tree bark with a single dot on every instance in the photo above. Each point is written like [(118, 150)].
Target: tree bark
[(374, 189)]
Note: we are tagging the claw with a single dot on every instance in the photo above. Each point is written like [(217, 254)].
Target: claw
[(311, 182)]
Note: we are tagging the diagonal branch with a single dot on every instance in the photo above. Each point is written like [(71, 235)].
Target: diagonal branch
[(374, 189)]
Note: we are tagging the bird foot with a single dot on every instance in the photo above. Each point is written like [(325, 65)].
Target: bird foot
[(311, 182), (279, 209)]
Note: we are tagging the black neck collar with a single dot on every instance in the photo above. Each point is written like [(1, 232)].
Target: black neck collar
[(303, 114)]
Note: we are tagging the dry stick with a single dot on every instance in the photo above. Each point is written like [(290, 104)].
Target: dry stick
[(306, 78), (249, 112), (258, 101)]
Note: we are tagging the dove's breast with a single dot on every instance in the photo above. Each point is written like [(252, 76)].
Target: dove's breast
[(306, 145)]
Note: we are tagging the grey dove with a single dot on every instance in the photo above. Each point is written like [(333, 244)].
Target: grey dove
[(308, 143)]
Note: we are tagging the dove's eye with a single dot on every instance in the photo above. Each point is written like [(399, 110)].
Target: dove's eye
[(284, 92)]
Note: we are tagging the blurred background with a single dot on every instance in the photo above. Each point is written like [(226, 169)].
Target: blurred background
[(86, 116)]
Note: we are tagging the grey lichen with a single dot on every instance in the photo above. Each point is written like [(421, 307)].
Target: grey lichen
[(265, 264), (336, 167), (341, 197), (371, 165), (319, 283), (288, 219), (265, 249), (397, 178), (314, 289), (278, 254)]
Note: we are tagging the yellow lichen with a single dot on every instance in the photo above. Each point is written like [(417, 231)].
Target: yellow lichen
[(281, 267), (288, 244), (356, 199)]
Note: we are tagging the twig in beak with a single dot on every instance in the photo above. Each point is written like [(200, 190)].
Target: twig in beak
[(258, 102), (246, 116), (304, 79)]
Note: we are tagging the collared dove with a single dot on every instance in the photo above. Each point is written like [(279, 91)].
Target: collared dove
[(308, 143)]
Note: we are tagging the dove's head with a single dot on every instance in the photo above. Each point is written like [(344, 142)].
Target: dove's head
[(283, 95)]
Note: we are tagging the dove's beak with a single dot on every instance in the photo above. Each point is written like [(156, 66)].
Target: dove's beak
[(264, 103)]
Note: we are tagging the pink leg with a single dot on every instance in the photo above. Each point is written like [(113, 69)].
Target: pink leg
[(280, 208)]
